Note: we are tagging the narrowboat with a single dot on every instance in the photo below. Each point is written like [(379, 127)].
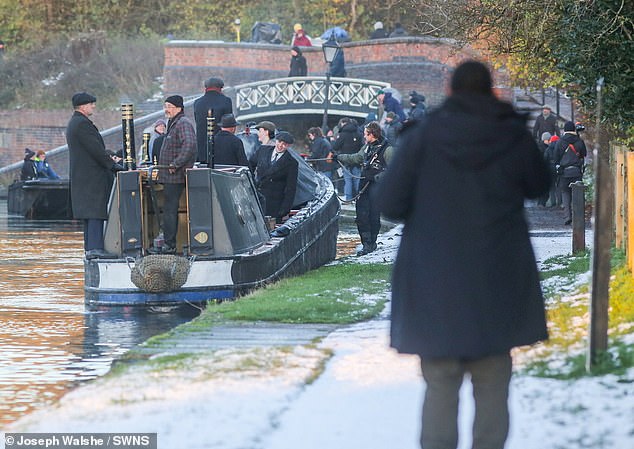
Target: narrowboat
[(225, 245)]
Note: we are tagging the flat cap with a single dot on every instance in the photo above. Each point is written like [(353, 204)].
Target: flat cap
[(269, 126), (83, 98), (283, 136)]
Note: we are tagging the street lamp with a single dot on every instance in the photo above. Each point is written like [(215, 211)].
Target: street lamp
[(330, 49), (236, 25)]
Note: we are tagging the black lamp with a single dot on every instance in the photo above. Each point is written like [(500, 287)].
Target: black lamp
[(330, 49)]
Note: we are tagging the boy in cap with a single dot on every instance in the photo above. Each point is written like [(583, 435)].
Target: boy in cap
[(276, 176)]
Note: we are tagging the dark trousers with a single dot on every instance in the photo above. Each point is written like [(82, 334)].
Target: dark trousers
[(490, 377), (93, 233), (172, 194), (368, 215), (566, 195)]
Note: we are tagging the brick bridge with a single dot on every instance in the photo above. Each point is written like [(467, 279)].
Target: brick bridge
[(411, 63)]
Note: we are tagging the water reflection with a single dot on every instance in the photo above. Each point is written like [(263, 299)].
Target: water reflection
[(48, 340)]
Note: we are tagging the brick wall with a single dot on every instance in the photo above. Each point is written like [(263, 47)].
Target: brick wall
[(411, 63)]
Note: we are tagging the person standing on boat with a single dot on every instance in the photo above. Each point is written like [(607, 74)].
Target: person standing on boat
[(229, 149), (276, 176), (91, 173), (178, 153), (219, 104)]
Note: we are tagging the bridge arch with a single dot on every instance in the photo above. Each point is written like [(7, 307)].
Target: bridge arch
[(306, 95)]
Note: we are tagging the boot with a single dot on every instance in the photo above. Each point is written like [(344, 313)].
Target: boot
[(368, 245)]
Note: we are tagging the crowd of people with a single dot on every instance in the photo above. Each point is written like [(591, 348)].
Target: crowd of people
[(474, 145)]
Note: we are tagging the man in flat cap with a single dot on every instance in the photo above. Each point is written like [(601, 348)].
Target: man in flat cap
[(546, 122), (229, 149), (276, 176), (178, 152), (214, 102), (91, 173)]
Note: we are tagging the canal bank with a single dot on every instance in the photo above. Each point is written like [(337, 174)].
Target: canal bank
[(345, 390)]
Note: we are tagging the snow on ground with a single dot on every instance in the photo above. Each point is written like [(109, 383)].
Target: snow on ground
[(367, 397)]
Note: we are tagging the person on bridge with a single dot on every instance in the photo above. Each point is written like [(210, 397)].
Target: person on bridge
[(465, 286), (379, 32), (229, 149), (373, 157), (300, 38), (91, 173), (390, 104), (298, 63), (218, 104)]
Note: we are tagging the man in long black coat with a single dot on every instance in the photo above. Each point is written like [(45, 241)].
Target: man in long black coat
[(91, 173), (219, 104), (276, 176), (465, 285)]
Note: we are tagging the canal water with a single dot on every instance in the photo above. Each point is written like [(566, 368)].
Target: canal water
[(49, 342)]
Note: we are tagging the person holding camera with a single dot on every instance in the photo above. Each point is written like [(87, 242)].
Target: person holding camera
[(373, 158)]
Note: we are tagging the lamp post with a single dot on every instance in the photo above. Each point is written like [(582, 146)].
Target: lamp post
[(236, 25), (330, 49)]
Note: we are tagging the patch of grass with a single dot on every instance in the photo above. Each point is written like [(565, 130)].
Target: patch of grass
[(617, 360), (334, 294), (339, 294), (568, 267), (568, 319)]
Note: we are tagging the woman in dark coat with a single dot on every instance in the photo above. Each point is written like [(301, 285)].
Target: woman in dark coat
[(298, 63), (465, 284)]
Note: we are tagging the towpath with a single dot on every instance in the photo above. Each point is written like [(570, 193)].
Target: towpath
[(347, 390)]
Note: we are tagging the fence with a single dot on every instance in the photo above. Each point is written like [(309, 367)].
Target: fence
[(623, 170)]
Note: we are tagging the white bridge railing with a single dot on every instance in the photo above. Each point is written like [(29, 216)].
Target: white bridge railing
[(307, 95)]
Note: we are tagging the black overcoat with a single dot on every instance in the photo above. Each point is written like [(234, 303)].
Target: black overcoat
[(220, 105), (91, 173), (277, 182), (465, 282), (229, 149)]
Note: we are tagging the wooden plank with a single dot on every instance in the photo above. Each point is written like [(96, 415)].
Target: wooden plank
[(619, 197), (630, 210)]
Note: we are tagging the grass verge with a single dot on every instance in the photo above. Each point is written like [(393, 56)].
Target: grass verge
[(567, 300), (334, 294)]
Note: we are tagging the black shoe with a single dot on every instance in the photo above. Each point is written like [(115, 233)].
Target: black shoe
[(568, 221), (367, 249), (99, 254)]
